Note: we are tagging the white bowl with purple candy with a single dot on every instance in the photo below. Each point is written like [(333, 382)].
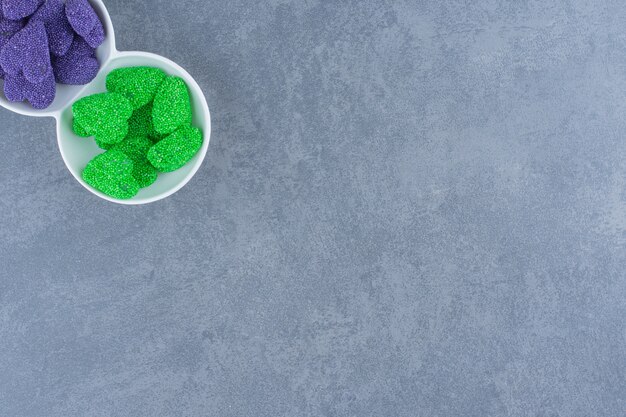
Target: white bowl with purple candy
[(52, 53)]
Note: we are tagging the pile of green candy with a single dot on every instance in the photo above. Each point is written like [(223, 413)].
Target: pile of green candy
[(143, 122)]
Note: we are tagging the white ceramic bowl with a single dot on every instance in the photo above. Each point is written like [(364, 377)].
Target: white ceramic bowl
[(77, 151)]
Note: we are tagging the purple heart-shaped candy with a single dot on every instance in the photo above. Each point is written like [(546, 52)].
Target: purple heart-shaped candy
[(39, 95), (85, 21), (60, 33), (27, 52), (79, 66), (18, 9)]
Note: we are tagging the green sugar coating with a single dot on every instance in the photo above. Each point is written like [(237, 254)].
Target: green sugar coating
[(172, 106), (145, 173), (104, 116), (138, 84), (176, 150), (136, 148), (140, 123), (78, 130), (111, 174), (158, 138), (105, 146)]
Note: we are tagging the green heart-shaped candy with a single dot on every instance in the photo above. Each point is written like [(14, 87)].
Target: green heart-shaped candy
[(104, 116), (172, 106), (138, 84), (112, 174), (176, 150), (136, 148)]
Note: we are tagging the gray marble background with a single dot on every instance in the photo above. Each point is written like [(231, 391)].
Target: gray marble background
[(408, 208)]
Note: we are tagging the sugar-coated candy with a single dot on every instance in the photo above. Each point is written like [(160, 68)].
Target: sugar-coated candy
[(140, 123), (102, 145), (78, 130), (40, 95), (18, 9), (27, 51), (78, 66), (144, 173), (138, 84), (3, 41), (136, 148), (176, 150), (96, 37), (104, 116), (60, 33), (85, 21), (112, 174), (9, 26), (172, 106), (80, 47)]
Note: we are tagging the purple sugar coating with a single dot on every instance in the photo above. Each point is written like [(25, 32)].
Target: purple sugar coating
[(81, 16), (60, 33), (96, 36), (15, 87), (80, 47), (18, 9), (4, 39), (79, 66), (9, 27), (27, 51), (78, 71), (39, 95)]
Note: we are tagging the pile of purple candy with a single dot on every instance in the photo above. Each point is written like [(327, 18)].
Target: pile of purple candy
[(47, 41)]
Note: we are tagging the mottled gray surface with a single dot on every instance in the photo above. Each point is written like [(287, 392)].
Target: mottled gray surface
[(407, 209)]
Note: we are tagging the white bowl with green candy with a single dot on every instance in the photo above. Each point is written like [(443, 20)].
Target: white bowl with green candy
[(77, 151), (79, 148)]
